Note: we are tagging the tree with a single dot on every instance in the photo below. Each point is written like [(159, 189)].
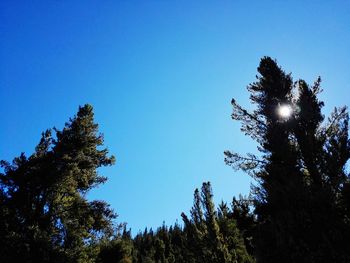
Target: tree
[(213, 236), (45, 216), (301, 192), (118, 249), (246, 220)]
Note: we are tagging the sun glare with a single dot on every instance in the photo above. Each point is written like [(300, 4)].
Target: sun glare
[(285, 111)]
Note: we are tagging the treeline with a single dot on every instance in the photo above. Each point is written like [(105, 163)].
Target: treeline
[(298, 209), (207, 236)]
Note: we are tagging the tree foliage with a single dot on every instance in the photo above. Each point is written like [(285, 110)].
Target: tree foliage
[(45, 216), (208, 235), (298, 209), (301, 192)]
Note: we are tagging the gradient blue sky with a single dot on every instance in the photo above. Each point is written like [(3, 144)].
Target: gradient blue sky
[(160, 75)]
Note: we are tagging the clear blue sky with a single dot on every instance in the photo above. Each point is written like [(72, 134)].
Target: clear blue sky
[(160, 75)]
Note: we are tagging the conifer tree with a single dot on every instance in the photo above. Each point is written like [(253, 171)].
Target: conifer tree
[(245, 219), (212, 236), (45, 216), (300, 197)]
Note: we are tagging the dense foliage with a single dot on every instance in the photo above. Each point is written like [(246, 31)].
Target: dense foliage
[(207, 236), (301, 198), (45, 216), (298, 210)]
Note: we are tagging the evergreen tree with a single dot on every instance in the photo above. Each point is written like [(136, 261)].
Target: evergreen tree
[(246, 220), (207, 236), (300, 199), (179, 250), (119, 250), (45, 216), (213, 236)]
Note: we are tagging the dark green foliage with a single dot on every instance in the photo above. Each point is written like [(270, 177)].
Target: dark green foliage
[(207, 236), (298, 211), (203, 229), (246, 221), (301, 197), (45, 216), (119, 249)]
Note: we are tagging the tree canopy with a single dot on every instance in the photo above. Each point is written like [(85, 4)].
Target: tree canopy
[(298, 209), (45, 216), (301, 195)]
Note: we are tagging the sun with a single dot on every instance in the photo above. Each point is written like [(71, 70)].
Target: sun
[(285, 111)]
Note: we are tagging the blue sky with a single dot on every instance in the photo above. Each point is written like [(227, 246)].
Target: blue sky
[(160, 75)]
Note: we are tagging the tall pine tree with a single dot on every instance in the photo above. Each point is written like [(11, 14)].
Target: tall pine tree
[(301, 193), (213, 236), (45, 216)]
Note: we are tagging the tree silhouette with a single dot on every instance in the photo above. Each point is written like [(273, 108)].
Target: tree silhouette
[(45, 216), (213, 236), (301, 192), (298, 209)]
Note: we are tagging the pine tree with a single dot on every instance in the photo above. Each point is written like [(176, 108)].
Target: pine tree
[(119, 249), (212, 236), (45, 214), (300, 198), (179, 251)]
